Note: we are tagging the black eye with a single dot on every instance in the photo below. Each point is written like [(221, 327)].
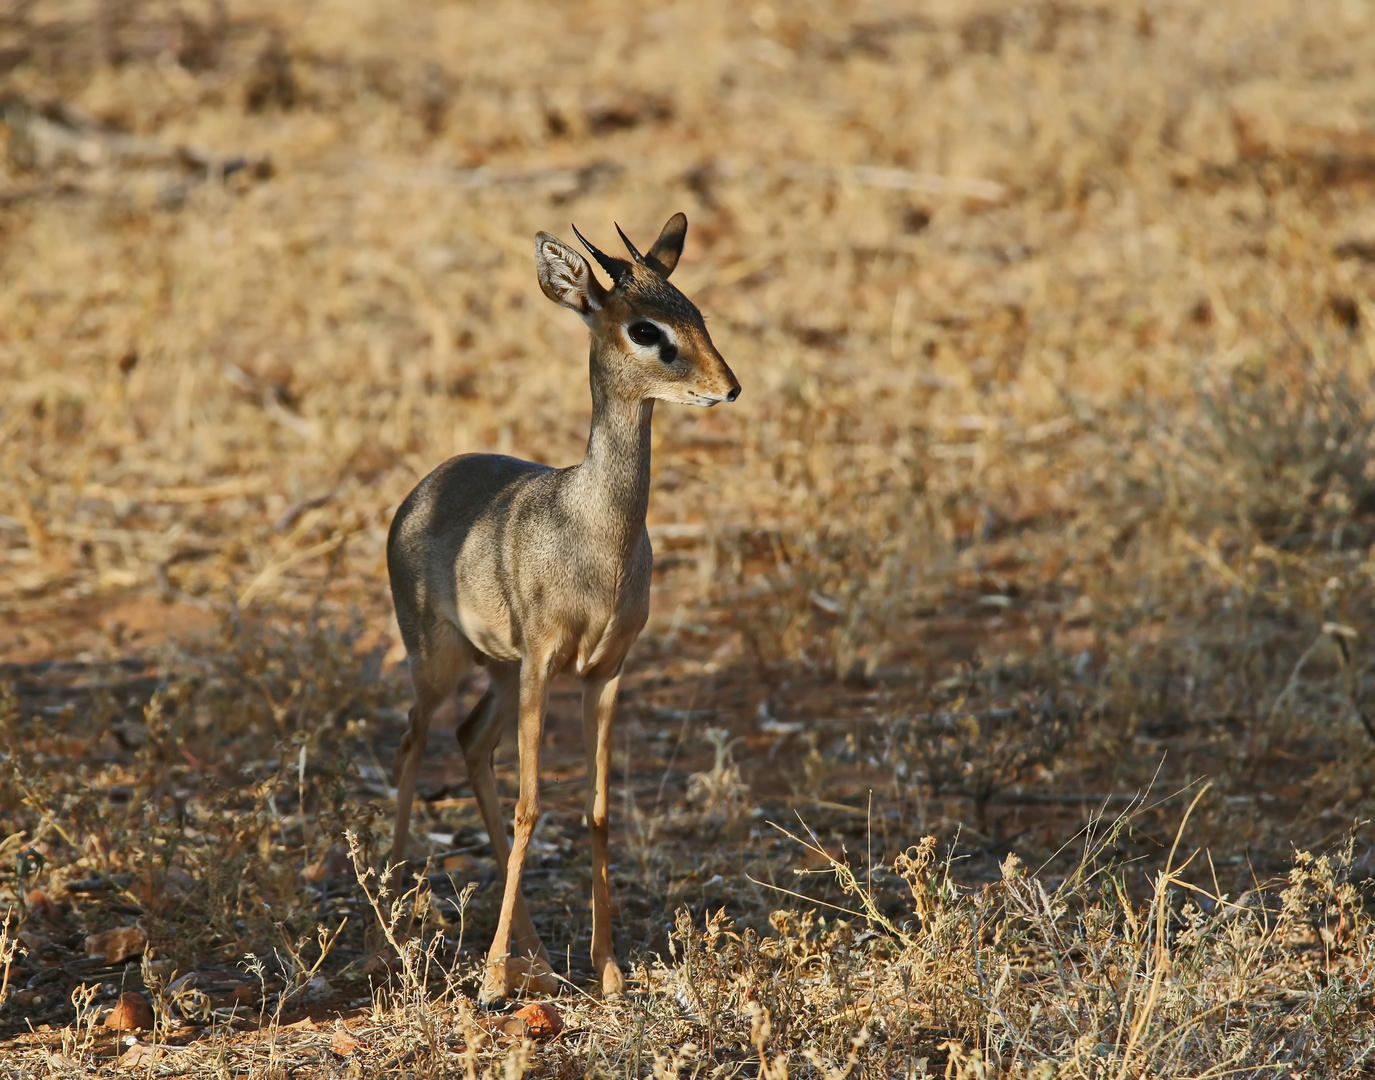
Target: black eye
[(645, 333)]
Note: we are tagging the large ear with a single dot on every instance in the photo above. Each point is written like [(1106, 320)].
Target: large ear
[(663, 256), (565, 276)]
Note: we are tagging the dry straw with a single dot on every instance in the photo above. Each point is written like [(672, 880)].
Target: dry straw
[(1051, 484)]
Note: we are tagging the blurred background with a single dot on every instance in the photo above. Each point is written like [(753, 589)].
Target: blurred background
[(266, 266), (1052, 477)]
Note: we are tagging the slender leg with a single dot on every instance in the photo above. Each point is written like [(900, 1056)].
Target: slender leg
[(478, 736), (434, 673), (405, 768), (502, 978), (598, 713)]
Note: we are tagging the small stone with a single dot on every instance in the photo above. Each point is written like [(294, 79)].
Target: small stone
[(117, 945), (131, 1013), (190, 981), (242, 994), (383, 964), (175, 884), (459, 863), (138, 1056), (334, 864), (42, 906), (541, 1019), (317, 990)]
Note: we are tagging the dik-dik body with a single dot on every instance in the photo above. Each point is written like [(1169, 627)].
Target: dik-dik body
[(532, 571)]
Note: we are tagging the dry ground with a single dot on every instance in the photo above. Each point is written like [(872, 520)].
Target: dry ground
[(1043, 528)]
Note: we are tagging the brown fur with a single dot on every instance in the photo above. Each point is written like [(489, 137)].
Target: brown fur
[(533, 571)]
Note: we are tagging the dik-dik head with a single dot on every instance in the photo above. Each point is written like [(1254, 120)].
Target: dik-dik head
[(649, 339)]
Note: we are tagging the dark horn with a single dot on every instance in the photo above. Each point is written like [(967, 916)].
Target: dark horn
[(617, 269), (638, 257)]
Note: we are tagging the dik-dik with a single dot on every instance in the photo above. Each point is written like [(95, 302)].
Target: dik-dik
[(531, 571)]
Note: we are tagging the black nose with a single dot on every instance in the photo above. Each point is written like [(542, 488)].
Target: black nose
[(733, 394)]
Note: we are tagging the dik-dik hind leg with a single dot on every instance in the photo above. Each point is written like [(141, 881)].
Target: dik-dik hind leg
[(478, 736), (598, 712), (435, 672)]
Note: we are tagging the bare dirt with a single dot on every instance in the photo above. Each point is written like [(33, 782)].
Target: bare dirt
[(1043, 527)]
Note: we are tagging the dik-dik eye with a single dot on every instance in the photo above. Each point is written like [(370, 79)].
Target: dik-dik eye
[(645, 333)]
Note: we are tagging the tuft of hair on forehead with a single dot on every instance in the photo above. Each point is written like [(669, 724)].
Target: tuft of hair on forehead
[(646, 289)]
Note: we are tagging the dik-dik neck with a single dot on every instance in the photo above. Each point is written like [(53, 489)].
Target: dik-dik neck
[(613, 480)]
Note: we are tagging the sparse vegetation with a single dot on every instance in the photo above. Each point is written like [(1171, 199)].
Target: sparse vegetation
[(1006, 708)]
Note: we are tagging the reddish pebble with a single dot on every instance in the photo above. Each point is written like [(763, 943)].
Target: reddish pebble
[(541, 1019), (43, 906), (343, 1043), (118, 945), (131, 1013), (242, 995)]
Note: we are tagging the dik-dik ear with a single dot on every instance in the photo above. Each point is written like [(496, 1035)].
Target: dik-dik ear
[(565, 276), (663, 256)]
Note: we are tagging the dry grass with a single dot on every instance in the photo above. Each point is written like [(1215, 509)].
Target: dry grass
[(1044, 523)]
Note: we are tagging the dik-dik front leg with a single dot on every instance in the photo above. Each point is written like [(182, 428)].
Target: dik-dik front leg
[(598, 712), (478, 736), (504, 974)]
